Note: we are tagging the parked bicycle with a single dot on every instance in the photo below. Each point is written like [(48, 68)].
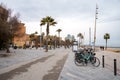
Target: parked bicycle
[(84, 56)]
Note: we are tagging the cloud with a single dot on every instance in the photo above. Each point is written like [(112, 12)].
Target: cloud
[(36, 9), (73, 16)]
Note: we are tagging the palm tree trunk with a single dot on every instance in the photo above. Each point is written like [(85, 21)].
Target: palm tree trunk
[(106, 43), (47, 45), (59, 34), (47, 33), (47, 29)]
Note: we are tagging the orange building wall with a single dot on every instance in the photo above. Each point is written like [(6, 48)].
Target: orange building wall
[(20, 40)]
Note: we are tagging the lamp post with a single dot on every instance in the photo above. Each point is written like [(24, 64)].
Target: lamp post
[(40, 35), (90, 36), (96, 12), (41, 30)]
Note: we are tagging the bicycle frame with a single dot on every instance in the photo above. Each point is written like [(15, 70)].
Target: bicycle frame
[(87, 57)]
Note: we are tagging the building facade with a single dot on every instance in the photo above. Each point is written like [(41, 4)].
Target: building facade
[(22, 38)]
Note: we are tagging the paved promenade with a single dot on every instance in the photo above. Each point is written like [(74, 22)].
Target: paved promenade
[(89, 72), (33, 64), (69, 71)]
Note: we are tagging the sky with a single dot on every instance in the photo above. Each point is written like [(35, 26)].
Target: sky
[(72, 16)]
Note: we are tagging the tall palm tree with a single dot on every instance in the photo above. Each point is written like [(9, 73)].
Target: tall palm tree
[(106, 37), (80, 38), (59, 30), (49, 22)]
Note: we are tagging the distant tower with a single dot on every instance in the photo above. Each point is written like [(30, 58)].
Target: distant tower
[(96, 12)]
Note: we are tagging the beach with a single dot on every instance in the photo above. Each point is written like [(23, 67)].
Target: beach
[(117, 50)]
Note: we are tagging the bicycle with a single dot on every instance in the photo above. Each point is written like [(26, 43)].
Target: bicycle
[(84, 56)]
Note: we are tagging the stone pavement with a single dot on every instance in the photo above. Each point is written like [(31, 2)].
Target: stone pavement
[(70, 71), (89, 72), (34, 64)]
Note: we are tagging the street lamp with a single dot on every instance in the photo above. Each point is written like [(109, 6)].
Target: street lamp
[(40, 29), (90, 36), (96, 12), (40, 35)]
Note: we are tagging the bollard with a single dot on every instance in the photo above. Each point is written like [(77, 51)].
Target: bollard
[(103, 62), (115, 67)]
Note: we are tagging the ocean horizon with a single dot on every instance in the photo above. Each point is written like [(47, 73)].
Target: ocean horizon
[(109, 46)]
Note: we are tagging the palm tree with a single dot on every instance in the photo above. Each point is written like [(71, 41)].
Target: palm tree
[(59, 30), (80, 38), (50, 22), (106, 37)]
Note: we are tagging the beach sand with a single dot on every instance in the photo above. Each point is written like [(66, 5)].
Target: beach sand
[(117, 50)]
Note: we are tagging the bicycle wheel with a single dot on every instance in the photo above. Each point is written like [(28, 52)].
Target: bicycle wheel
[(95, 61), (78, 62)]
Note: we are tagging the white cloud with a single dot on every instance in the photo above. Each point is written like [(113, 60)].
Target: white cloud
[(73, 16)]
